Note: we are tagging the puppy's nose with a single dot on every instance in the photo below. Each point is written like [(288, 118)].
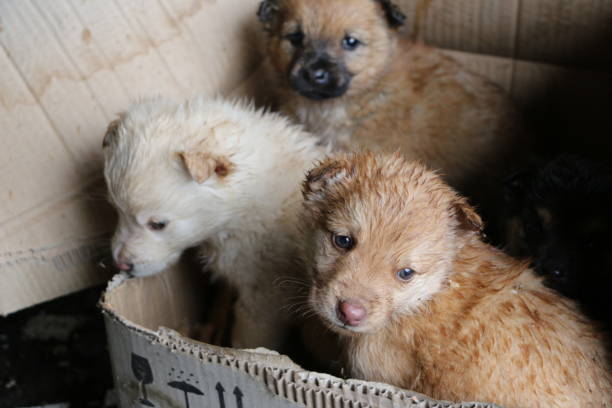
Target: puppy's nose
[(125, 266), (317, 75), (123, 262), (351, 312)]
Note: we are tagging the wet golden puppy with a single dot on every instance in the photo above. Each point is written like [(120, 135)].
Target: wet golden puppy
[(342, 69), (399, 270)]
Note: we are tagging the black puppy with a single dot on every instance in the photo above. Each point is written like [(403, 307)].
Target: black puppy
[(560, 216)]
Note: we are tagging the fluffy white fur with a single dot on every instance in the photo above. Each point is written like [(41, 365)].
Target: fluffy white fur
[(223, 176)]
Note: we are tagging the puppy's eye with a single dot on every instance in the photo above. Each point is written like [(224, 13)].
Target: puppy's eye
[(350, 43), (296, 39), (405, 274), (557, 273), (343, 242), (157, 225)]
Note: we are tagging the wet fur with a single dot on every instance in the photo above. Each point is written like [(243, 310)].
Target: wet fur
[(472, 324)]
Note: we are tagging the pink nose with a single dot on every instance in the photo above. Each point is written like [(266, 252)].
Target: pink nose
[(127, 267), (351, 312), (123, 263)]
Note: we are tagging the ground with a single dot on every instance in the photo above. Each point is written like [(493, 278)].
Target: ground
[(56, 353)]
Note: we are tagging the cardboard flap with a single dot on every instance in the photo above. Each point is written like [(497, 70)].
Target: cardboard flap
[(576, 33)]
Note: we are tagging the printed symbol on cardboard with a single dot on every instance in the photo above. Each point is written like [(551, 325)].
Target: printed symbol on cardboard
[(238, 395), (220, 391), (144, 375), (186, 388)]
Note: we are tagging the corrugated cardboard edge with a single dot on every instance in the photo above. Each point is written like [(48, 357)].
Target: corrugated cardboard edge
[(278, 380)]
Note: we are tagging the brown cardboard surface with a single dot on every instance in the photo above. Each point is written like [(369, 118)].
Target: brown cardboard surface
[(151, 362), (66, 70), (574, 33)]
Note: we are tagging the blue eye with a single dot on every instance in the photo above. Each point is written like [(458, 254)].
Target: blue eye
[(350, 43), (405, 274), (343, 242)]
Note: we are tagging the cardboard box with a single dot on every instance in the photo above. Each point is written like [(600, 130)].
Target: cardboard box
[(154, 365), (66, 69)]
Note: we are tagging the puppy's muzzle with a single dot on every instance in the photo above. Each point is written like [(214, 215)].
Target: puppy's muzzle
[(319, 77)]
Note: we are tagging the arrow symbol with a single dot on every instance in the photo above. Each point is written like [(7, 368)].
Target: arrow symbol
[(238, 395), (220, 391)]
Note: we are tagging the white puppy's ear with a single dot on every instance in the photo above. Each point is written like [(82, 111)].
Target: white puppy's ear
[(201, 165), (319, 179)]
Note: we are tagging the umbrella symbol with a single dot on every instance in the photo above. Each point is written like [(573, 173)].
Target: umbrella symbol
[(186, 388)]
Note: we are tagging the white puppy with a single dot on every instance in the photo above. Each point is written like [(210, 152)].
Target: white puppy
[(220, 175)]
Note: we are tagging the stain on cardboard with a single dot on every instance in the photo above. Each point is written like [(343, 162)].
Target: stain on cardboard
[(62, 257), (86, 36)]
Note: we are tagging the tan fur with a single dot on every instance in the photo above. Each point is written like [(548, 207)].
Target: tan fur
[(201, 165), (402, 95), (471, 323)]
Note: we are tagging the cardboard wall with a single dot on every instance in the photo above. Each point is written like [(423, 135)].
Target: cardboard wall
[(67, 67), (572, 33)]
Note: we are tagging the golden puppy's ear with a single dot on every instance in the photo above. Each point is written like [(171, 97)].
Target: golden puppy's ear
[(111, 132), (201, 166), (266, 12), (466, 216), (326, 174), (394, 15)]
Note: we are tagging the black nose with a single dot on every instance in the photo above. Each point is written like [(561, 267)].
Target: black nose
[(317, 76)]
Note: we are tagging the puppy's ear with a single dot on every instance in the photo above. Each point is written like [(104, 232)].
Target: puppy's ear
[(327, 173), (201, 166), (321, 178), (394, 15), (111, 132), (267, 11), (466, 216)]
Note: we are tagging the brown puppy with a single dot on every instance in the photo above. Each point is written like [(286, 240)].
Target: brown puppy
[(399, 269), (341, 68)]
